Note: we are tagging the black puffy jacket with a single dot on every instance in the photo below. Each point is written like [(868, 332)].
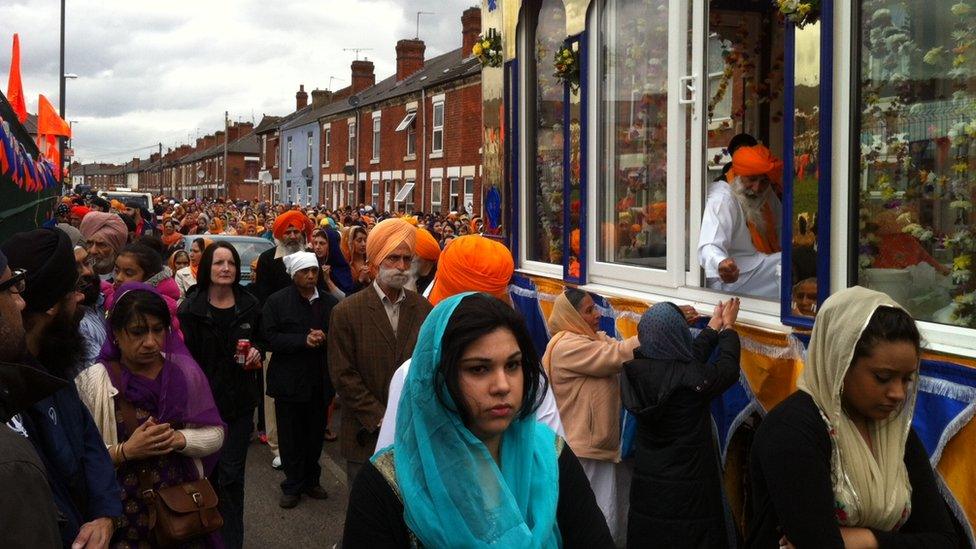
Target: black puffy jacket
[(676, 492), (236, 391)]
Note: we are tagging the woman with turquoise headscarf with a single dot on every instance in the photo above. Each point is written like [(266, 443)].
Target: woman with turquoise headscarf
[(470, 465)]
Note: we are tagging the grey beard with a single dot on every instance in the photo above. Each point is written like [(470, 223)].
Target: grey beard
[(292, 248), (752, 206)]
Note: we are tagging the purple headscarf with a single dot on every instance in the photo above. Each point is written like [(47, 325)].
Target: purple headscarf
[(179, 395)]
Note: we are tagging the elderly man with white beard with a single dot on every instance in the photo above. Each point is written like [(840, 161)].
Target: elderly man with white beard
[(739, 244)]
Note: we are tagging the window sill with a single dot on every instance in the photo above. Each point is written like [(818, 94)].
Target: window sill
[(374, 161), (409, 157), (436, 154), (349, 162), (326, 165)]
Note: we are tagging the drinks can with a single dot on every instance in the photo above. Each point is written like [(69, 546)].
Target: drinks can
[(243, 348)]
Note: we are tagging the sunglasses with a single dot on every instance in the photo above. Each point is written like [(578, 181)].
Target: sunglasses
[(17, 283)]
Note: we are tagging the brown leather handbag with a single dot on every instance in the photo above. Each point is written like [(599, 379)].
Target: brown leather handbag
[(178, 513)]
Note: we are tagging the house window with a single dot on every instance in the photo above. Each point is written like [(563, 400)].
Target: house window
[(435, 194), (274, 149), (437, 138), (376, 138), (453, 197), (327, 139), (351, 193), (289, 164), (352, 142), (310, 145), (404, 196), (917, 152), (469, 195), (409, 125), (375, 194), (264, 151)]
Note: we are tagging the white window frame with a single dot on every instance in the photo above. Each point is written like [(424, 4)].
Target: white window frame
[(311, 144), (351, 142), (437, 130), (351, 192), (467, 195), (436, 190), (377, 134), (327, 143), (264, 152), (289, 163), (277, 151), (374, 193), (453, 195)]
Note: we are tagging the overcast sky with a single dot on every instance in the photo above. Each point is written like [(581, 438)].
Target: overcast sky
[(152, 72)]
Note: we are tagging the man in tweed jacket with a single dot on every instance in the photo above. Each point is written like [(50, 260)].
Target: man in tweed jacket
[(371, 333)]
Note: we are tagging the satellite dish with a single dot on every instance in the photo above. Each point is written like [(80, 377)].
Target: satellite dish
[(349, 170), (200, 174), (307, 173), (354, 100)]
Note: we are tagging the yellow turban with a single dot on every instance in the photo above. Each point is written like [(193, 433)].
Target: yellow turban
[(385, 237), (473, 263)]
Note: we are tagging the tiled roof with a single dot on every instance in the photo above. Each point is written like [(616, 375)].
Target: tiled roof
[(268, 123)]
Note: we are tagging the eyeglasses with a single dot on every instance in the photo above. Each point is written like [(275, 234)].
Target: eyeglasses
[(17, 282)]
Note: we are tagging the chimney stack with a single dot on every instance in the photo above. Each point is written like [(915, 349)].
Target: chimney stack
[(362, 75), (470, 29), (409, 57), (219, 138), (239, 130), (321, 97), (200, 143), (209, 141), (301, 98)]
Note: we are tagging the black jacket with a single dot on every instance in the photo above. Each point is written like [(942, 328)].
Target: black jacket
[(269, 275), (236, 391), (676, 495), (297, 373)]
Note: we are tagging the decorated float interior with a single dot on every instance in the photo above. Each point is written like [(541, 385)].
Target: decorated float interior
[(606, 120)]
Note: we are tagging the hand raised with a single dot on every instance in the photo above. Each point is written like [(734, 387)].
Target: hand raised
[(728, 271)]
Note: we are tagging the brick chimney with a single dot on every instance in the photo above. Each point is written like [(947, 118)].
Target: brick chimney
[(239, 130), (219, 138), (409, 57), (301, 98), (362, 75), (321, 97), (154, 157), (200, 143), (209, 141), (470, 29)]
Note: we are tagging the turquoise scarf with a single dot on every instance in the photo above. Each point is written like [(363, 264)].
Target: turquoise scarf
[(454, 493)]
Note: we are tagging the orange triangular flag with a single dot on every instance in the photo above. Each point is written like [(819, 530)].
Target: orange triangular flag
[(48, 121), (15, 88)]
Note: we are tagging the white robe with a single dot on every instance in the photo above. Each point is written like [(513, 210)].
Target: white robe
[(724, 234)]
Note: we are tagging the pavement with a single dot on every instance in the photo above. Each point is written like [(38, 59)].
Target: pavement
[(313, 523)]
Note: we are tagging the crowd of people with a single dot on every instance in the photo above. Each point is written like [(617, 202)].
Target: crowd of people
[(134, 374)]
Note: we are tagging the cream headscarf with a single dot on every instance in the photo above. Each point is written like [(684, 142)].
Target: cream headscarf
[(565, 318), (873, 489)]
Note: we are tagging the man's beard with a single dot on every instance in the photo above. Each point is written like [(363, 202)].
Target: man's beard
[(393, 278), (752, 204), (11, 345), (104, 265), (292, 247), (61, 343)]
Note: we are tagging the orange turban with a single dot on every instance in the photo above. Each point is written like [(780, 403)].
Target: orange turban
[(473, 263), (427, 247), (385, 237), (755, 160), (289, 219)]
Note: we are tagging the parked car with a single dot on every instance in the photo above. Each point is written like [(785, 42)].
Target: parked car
[(144, 199), (248, 247)]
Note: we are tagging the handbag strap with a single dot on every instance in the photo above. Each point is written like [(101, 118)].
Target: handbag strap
[(128, 411)]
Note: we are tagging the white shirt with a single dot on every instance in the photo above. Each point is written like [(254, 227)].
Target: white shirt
[(547, 413), (725, 233), (392, 307)]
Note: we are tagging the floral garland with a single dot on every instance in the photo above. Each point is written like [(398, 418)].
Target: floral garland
[(800, 13), (566, 61), (488, 49)]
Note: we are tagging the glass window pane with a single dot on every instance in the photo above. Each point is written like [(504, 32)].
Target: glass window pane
[(544, 239), (632, 206), (916, 105)]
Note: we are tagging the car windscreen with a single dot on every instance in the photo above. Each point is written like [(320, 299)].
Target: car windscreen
[(124, 198)]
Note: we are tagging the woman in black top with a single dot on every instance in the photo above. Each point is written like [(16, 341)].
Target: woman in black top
[(470, 465), (676, 493), (215, 315), (837, 464)]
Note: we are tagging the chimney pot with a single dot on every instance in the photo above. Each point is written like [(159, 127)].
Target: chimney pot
[(301, 98), (409, 57), (362, 75)]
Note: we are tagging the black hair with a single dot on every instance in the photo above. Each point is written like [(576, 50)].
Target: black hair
[(149, 260), (741, 140), (887, 325), (206, 263), (130, 223), (475, 316), (135, 305), (201, 243), (153, 242), (576, 296)]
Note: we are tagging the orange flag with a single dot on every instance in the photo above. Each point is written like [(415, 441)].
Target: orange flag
[(48, 121), (15, 88)]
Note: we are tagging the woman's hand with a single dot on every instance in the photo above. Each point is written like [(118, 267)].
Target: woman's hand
[(253, 359), (858, 538), (716, 322), (691, 315), (149, 439), (730, 313)]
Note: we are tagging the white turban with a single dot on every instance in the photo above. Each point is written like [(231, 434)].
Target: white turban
[(298, 261)]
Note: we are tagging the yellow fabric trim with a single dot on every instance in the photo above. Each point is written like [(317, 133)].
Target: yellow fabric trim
[(958, 468), (771, 379)]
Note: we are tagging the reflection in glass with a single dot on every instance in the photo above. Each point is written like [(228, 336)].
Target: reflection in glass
[(917, 108), (633, 203), (575, 167), (806, 140), (545, 188)]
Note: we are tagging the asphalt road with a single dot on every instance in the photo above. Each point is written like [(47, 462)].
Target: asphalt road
[(312, 524)]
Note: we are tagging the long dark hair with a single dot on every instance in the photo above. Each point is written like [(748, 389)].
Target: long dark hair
[(475, 316), (206, 263), (887, 325)]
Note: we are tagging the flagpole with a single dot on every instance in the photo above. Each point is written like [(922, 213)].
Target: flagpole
[(60, 169)]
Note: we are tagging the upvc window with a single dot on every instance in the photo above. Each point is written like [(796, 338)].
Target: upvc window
[(352, 143), (327, 139), (435, 194), (311, 142), (453, 197), (469, 195), (289, 163), (376, 137), (375, 194), (437, 135)]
